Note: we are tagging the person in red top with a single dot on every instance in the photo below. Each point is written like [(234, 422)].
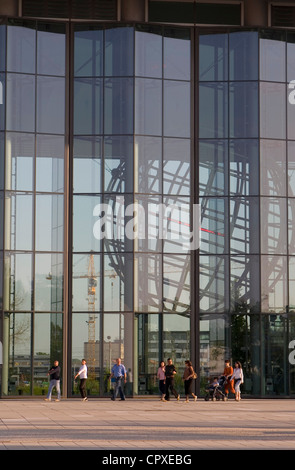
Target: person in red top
[(228, 372)]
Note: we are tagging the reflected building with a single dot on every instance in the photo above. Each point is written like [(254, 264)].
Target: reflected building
[(110, 112)]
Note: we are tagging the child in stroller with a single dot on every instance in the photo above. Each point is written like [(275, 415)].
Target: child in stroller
[(215, 391)]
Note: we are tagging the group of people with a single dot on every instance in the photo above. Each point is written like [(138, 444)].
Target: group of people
[(234, 377), (118, 373), (166, 373)]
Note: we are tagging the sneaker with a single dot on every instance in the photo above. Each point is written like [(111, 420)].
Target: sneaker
[(85, 399), (178, 397), (47, 399), (57, 399), (195, 398)]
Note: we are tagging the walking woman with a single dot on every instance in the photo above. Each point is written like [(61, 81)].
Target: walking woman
[(161, 377), (238, 378), (188, 377)]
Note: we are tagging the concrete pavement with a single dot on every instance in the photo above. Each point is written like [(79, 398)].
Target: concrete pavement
[(100, 424)]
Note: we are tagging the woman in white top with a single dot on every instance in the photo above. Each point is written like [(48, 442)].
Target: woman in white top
[(161, 376), (83, 376), (238, 378)]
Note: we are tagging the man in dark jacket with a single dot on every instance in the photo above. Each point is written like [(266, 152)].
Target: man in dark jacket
[(54, 373), (170, 371)]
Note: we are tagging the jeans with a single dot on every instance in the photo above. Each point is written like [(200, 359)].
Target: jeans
[(119, 384), (54, 383)]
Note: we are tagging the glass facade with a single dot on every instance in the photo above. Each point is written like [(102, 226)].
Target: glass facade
[(101, 123)]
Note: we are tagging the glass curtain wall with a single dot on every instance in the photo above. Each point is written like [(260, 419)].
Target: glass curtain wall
[(32, 153), (162, 191), (131, 156), (246, 190)]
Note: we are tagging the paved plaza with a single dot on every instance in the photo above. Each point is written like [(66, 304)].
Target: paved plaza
[(100, 424)]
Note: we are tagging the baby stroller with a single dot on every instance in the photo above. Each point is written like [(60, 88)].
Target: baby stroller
[(216, 392)]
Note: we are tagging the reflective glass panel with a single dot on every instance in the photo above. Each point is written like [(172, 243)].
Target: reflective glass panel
[(18, 221), (119, 53), (21, 49), (118, 164), (273, 225), (272, 56), (291, 168), (86, 285), (83, 223), (118, 106), (272, 168), (118, 282), (213, 114), (49, 222), (245, 335), (213, 285), (291, 110), (213, 225), (119, 222), (88, 53), (88, 106), (175, 225), (273, 110), (118, 342), (148, 106), (291, 266), (213, 162), (274, 334), (290, 56), (148, 52), (51, 105), (148, 283), (176, 344), (51, 49), (19, 378), (148, 351), (243, 109), (176, 284), (244, 222), (177, 102), (48, 335), (87, 164), (244, 165), (50, 163), (147, 222), (177, 54), (213, 57), (86, 344), (147, 164), (291, 226), (3, 47), (243, 55), (18, 280), (49, 282), (20, 150), (2, 100), (213, 346), (244, 284), (20, 105), (176, 166)]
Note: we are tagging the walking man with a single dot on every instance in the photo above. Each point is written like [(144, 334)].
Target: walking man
[(54, 373), (170, 371), (119, 373), (83, 377)]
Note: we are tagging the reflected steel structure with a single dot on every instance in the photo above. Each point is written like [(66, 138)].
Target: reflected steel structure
[(138, 107)]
